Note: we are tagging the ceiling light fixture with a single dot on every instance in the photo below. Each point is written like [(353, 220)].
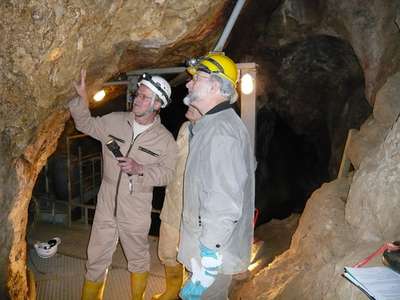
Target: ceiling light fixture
[(247, 84), (99, 95)]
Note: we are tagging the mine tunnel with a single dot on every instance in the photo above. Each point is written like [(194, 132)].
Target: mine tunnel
[(322, 117)]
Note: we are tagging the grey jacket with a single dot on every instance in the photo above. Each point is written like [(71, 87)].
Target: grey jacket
[(218, 204)]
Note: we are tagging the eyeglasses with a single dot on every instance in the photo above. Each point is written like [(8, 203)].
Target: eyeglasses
[(196, 77), (142, 96)]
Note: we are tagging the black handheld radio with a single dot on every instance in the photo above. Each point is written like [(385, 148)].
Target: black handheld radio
[(114, 148)]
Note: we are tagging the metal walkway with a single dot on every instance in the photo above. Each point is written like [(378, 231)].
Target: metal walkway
[(61, 278)]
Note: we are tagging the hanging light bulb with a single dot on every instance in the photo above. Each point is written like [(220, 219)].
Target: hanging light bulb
[(99, 95), (247, 84)]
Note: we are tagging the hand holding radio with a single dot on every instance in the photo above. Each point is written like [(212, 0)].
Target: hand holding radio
[(130, 166), (114, 148), (127, 164)]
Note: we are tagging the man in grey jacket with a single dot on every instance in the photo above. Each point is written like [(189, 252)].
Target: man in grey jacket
[(217, 221), (171, 214)]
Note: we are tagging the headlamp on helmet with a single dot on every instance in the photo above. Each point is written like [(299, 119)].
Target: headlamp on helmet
[(214, 63)]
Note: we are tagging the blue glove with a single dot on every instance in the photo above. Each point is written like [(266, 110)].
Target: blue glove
[(203, 276)]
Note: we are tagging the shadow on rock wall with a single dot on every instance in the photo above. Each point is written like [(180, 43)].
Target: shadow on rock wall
[(314, 96)]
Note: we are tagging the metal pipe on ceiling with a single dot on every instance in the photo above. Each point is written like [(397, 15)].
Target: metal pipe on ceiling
[(229, 25), (181, 78), (121, 82), (170, 70)]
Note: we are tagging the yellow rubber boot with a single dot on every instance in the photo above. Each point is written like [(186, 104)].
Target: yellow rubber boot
[(93, 290), (138, 285), (173, 282)]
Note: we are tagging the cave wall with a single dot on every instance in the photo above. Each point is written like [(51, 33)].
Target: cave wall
[(45, 43), (346, 219), (370, 28)]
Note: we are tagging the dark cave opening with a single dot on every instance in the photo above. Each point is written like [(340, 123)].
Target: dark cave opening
[(289, 166), (313, 96)]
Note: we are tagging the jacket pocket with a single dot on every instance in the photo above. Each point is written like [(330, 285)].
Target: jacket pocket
[(148, 151)]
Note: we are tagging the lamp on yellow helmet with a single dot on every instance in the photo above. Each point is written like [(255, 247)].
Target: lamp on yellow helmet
[(214, 63)]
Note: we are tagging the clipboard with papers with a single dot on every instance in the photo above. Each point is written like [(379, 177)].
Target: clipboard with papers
[(378, 283)]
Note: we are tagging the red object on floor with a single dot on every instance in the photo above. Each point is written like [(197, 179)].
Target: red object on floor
[(387, 246), (256, 214)]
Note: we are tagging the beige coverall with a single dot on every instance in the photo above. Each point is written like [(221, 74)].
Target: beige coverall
[(171, 212), (128, 218)]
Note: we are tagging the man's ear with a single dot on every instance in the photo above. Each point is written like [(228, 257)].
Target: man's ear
[(215, 86), (157, 105)]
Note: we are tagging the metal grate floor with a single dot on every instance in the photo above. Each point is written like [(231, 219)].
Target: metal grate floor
[(61, 278)]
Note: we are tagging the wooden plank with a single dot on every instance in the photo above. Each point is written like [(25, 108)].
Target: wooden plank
[(345, 165)]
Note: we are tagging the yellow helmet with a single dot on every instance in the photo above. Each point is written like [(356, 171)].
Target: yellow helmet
[(214, 63)]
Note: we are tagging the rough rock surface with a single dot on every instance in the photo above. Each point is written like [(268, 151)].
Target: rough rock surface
[(44, 45), (349, 218), (367, 27), (372, 133), (371, 30), (387, 104), (373, 204)]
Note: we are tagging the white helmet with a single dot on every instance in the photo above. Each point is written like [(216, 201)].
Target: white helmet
[(47, 249), (159, 86)]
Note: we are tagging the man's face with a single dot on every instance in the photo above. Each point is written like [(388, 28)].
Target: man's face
[(192, 114), (198, 87), (144, 102)]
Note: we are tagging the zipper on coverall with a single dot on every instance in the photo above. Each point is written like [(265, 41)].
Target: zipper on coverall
[(120, 172)]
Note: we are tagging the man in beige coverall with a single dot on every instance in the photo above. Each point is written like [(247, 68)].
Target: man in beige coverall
[(172, 212), (123, 210)]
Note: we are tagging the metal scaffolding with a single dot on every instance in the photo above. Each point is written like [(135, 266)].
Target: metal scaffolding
[(80, 176), (90, 173)]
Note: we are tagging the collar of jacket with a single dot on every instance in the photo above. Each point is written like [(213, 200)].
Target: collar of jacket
[(130, 118), (219, 107), (211, 114)]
